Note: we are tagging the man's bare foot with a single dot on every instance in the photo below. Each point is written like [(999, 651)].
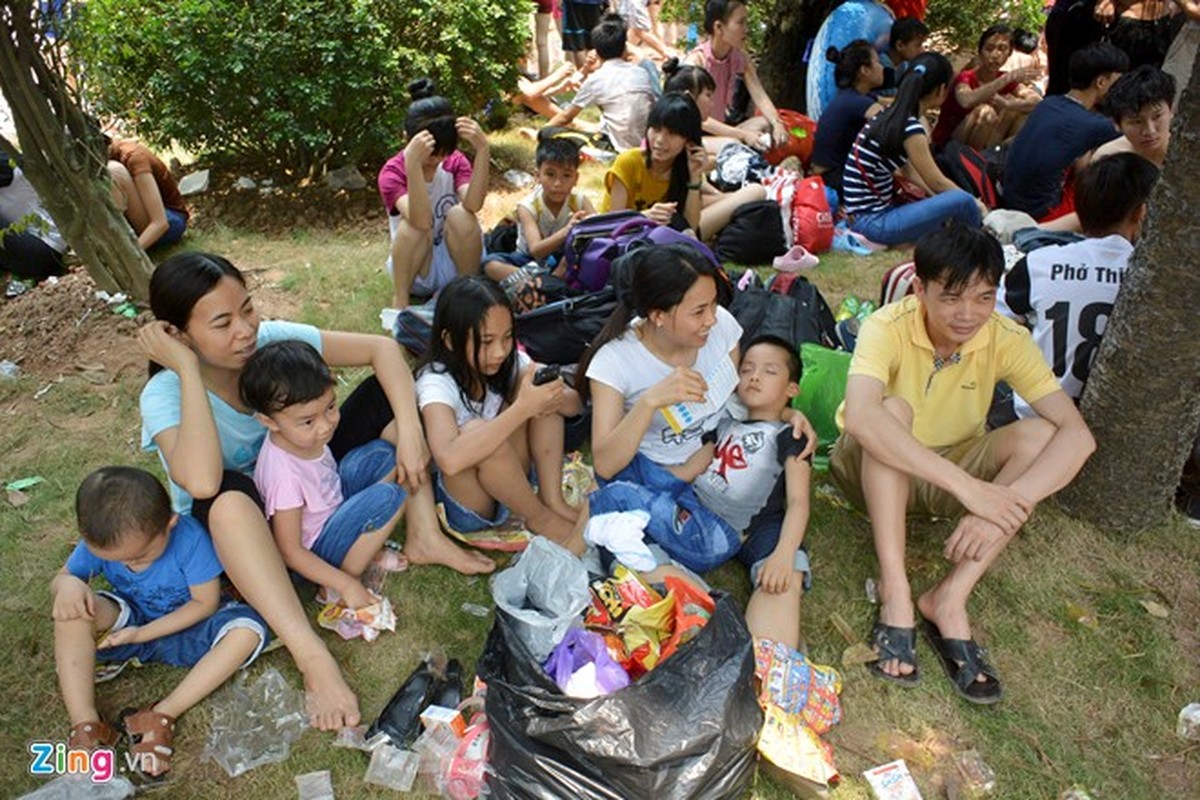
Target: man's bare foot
[(435, 548), (331, 703), (951, 619)]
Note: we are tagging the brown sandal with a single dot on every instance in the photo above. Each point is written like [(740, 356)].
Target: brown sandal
[(152, 738), (93, 735)]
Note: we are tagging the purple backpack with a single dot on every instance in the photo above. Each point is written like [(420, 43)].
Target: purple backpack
[(596, 242)]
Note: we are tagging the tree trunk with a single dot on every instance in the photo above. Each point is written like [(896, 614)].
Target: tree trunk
[(793, 24), (1142, 400), (64, 158)]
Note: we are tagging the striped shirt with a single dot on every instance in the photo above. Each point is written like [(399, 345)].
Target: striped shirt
[(868, 186)]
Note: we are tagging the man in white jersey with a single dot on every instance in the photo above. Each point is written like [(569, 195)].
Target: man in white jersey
[(1065, 293)]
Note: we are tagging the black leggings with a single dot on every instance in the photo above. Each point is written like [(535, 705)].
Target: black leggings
[(365, 413)]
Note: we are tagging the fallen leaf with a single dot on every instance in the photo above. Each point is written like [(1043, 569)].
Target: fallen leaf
[(17, 498), (857, 654), (1154, 609)]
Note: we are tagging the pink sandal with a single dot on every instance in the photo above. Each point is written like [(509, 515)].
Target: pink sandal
[(795, 260)]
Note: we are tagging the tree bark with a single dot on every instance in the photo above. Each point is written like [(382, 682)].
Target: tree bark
[(1142, 398), (793, 24), (64, 158)]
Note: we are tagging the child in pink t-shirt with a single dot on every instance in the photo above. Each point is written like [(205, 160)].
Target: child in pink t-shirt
[(330, 520), (435, 233)]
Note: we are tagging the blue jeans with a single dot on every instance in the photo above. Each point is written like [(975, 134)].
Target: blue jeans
[(367, 505), (909, 222), (183, 648)]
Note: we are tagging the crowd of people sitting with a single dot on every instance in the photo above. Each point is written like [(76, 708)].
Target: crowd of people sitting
[(270, 478)]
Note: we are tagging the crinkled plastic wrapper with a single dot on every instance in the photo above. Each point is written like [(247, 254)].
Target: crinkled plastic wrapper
[(254, 723)]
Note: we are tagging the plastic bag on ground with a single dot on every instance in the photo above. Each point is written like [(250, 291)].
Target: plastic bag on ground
[(686, 730), (77, 786), (543, 594), (254, 723), (822, 389)]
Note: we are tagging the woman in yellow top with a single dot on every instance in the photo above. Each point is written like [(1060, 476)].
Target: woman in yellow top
[(665, 180)]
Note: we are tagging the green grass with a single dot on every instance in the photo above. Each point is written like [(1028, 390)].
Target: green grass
[(1088, 706)]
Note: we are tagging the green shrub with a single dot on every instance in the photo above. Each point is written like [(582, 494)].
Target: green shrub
[(961, 21), (290, 85)]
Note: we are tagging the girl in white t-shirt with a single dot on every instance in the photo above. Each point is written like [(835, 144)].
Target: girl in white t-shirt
[(486, 421)]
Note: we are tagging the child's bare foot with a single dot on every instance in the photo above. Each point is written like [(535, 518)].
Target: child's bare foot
[(435, 548), (331, 703)]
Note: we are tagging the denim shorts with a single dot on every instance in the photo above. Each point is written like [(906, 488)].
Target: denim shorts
[(368, 504), (461, 518), (186, 647), (176, 226), (762, 537)]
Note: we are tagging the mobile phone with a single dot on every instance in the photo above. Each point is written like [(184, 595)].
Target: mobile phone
[(545, 374)]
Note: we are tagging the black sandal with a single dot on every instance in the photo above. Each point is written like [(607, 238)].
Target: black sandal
[(964, 661), (895, 644)]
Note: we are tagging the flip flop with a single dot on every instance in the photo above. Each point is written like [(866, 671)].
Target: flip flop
[(795, 259), (895, 643), (964, 661)]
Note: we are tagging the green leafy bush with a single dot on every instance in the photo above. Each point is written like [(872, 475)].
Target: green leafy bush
[(961, 21), (291, 85)]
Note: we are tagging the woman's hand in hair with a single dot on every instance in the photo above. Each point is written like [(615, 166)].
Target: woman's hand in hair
[(419, 148), (162, 345), (662, 213), (469, 131), (683, 385)]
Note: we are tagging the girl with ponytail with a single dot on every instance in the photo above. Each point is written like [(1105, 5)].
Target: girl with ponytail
[(858, 72), (892, 140)]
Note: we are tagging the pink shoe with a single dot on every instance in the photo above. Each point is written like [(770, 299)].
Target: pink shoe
[(795, 259)]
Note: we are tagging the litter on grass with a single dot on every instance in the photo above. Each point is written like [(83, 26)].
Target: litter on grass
[(254, 723)]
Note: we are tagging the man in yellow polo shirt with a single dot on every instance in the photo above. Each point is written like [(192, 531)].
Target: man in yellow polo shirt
[(914, 440)]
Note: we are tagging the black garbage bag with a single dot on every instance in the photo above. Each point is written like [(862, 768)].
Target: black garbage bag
[(685, 730)]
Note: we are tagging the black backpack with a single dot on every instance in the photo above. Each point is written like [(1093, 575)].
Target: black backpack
[(559, 333), (971, 170), (792, 309), (754, 235)]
